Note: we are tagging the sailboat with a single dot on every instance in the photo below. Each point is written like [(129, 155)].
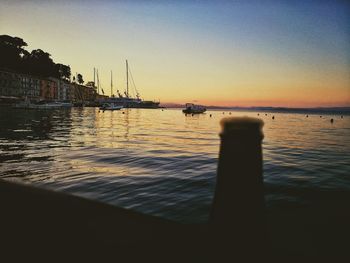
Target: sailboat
[(111, 105), (126, 100)]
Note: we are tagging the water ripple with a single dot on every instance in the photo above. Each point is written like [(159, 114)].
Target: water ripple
[(163, 162)]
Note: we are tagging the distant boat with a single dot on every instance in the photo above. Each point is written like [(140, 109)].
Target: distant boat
[(193, 108), (110, 106)]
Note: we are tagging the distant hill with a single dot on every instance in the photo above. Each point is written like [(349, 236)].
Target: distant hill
[(316, 110), (172, 105)]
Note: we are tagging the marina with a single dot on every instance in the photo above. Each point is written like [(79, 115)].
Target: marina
[(27, 91)]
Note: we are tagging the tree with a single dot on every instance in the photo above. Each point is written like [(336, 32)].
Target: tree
[(11, 52), (13, 56), (40, 63), (12, 41), (80, 78), (63, 71)]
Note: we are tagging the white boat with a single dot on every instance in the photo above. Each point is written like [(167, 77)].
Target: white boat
[(110, 106), (43, 105), (193, 108), (49, 105), (64, 104)]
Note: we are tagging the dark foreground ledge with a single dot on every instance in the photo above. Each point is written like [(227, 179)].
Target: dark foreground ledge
[(37, 222)]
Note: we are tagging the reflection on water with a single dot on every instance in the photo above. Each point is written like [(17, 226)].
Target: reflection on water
[(163, 162)]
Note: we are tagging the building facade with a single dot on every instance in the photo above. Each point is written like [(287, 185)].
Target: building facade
[(83, 93), (63, 90), (30, 86), (48, 90), (19, 85), (9, 84)]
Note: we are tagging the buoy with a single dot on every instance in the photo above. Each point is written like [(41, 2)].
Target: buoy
[(332, 120), (273, 117)]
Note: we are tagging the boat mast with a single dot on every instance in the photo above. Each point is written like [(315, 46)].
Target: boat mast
[(94, 77), (98, 82), (127, 79), (111, 84)]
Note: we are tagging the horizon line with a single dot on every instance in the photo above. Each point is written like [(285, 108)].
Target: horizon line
[(174, 105)]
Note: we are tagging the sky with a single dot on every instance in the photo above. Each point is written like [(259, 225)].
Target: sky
[(225, 53)]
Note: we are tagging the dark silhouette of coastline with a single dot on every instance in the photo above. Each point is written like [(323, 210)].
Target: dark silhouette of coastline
[(314, 110)]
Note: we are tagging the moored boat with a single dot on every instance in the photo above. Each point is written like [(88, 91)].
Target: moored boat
[(193, 108), (110, 106), (65, 104), (42, 105)]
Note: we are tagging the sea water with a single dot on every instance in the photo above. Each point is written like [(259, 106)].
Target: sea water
[(162, 162)]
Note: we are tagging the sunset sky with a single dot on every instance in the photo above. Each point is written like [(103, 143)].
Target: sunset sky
[(230, 53)]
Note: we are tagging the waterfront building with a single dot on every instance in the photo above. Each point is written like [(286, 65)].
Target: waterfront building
[(9, 84), (84, 93), (30, 86), (71, 92), (48, 90), (90, 93), (63, 90), (19, 85)]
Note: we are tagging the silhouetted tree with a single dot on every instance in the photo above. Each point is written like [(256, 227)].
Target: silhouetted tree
[(40, 63), (63, 71), (13, 56), (11, 52), (80, 79)]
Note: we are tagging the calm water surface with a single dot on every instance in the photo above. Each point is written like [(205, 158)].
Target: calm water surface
[(163, 162)]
